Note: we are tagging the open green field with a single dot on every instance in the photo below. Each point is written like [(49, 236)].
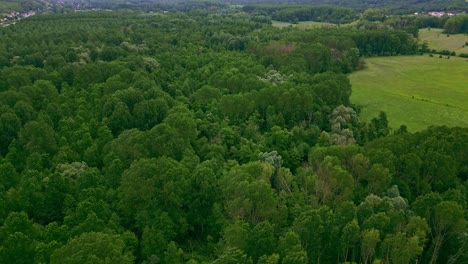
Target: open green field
[(6, 6), (303, 24), (437, 40), (417, 91)]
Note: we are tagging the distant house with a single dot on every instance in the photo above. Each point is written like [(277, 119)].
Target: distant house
[(439, 14)]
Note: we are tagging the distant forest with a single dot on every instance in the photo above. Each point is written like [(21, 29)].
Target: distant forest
[(402, 6), (396, 6)]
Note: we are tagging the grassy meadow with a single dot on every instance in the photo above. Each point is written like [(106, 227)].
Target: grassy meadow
[(437, 40), (303, 24), (417, 91), (5, 7)]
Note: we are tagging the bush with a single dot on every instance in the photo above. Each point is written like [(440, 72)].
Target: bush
[(444, 52)]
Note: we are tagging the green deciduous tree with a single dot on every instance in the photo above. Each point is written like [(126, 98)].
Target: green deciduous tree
[(369, 241), (448, 220), (151, 187), (232, 255), (332, 184), (349, 240), (38, 137), (291, 250), (93, 247), (402, 249), (248, 192), (262, 241), (10, 124)]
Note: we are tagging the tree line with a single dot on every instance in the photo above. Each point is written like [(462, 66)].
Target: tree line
[(296, 13)]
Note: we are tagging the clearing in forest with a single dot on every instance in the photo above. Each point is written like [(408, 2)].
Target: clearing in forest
[(7, 6), (303, 24), (417, 91), (437, 40)]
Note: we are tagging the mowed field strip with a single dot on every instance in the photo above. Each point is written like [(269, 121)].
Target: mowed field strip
[(437, 40), (416, 91), (303, 24)]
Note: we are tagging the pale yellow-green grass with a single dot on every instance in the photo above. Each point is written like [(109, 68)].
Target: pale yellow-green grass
[(281, 24), (313, 24), (416, 91), (437, 40)]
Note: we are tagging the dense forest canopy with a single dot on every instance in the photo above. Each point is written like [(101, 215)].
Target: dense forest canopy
[(397, 6), (209, 136)]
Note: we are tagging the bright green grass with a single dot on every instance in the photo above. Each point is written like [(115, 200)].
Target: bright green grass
[(281, 24), (303, 24), (417, 91), (313, 24), (439, 41)]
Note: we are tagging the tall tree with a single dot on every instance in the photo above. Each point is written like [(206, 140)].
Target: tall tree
[(93, 247)]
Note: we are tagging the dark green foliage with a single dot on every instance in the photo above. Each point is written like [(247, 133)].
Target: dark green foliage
[(457, 24), (394, 6)]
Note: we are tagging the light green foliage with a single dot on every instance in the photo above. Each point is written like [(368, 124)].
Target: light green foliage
[(303, 24), (248, 192), (173, 255), (181, 119), (236, 235), (332, 184), (93, 247), (350, 239), (402, 249), (370, 239), (232, 255), (341, 120), (272, 259), (374, 14), (378, 178), (291, 249), (271, 157)]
